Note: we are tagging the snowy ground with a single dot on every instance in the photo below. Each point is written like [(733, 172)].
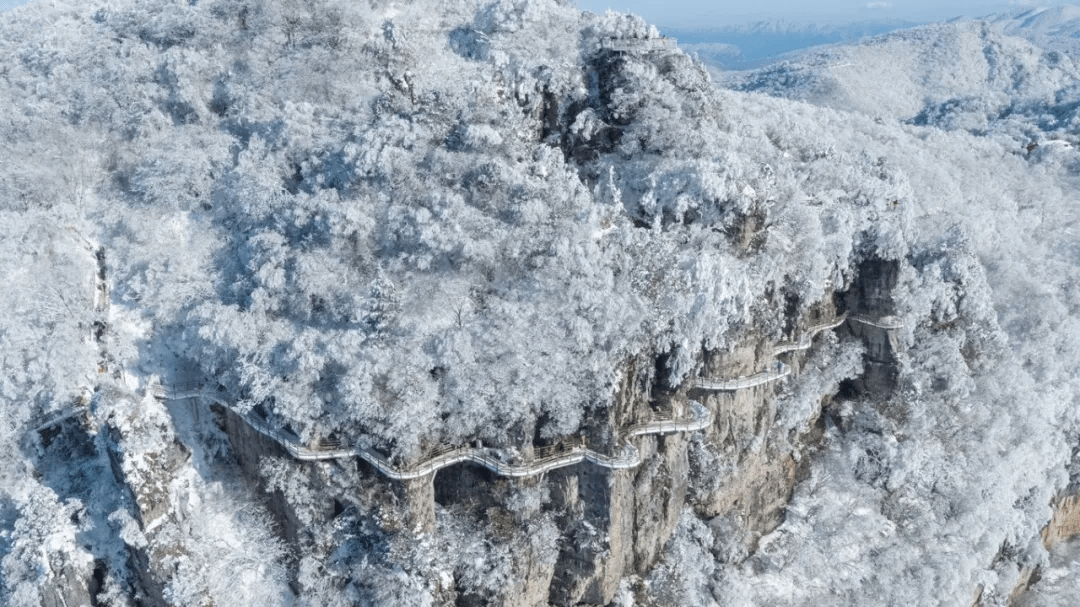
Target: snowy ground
[(462, 227)]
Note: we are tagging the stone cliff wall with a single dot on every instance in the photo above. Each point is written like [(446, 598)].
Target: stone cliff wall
[(149, 476), (870, 297), (616, 523)]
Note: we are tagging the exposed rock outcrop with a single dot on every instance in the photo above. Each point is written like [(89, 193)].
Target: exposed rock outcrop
[(615, 523), (1065, 523), (150, 475)]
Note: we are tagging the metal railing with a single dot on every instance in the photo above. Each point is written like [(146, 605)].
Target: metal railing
[(808, 336), (565, 444), (778, 369), (565, 453), (700, 420), (177, 391), (889, 323)]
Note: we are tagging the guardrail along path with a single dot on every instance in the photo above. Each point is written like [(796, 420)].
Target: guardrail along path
[(567, 453), (778, 369), (545, 458)]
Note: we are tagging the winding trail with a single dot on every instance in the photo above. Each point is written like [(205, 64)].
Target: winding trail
[(807, 338), (889, 323), (567, 453), (563, 454), (778, 369)]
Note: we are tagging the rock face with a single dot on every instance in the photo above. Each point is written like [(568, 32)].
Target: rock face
[(1064, 526), (251, 448), (758, 485), (611, 525), (614, 524), (640, 508), (870, 298), (70, 582), (634, 511), (617, 522), (150, 476), (1065, 523)]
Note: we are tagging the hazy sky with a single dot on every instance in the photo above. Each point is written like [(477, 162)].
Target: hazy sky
[(708, 13)]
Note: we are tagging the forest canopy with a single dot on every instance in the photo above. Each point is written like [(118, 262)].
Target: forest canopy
[(419, 226), (411, 225)]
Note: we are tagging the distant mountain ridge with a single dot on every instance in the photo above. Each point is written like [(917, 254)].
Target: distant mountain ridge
[(1012, 72), (755, 45), (747, 46), (1056, 28)]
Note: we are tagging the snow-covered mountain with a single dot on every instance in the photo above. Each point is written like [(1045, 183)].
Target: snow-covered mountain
[(337, 303), (752, 45), (981, 117), (970, 72), (1054, 29)]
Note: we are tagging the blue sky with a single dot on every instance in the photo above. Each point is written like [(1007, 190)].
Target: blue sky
[(716, 13)]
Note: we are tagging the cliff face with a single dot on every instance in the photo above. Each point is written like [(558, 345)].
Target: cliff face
[(470, 303), (871, 298), (153, 476), (72, 580), (611, 526)]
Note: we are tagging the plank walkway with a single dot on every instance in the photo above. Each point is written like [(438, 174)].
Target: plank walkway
[(567, 453), (778, 369), (545, 458)]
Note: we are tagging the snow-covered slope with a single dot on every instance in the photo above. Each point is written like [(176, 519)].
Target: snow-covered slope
[(413, 250), (969, 72), (982, 123), (1054, 29), (753, 45), (409, 227)]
